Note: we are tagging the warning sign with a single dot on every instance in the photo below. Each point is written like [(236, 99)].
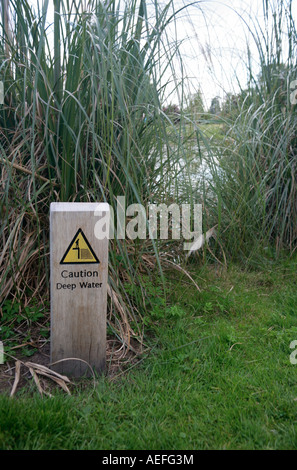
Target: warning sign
[(79, 251)]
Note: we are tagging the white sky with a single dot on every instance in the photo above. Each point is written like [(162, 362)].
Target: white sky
[(214, 35)]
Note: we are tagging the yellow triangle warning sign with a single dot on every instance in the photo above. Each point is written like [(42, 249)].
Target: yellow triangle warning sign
[(79, 251)]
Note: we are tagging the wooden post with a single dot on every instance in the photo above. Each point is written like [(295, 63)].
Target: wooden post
[(79, 274)]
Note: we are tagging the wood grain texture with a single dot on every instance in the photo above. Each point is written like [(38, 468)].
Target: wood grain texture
[(78, 291)]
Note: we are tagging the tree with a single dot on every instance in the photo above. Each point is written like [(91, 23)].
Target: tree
[(173, 112), (196, 105), (215, 107)]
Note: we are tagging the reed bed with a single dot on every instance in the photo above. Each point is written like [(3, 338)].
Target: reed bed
[(82, 120), (252, 193)]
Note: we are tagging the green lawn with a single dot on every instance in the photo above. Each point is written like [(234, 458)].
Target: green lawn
[(218, 376)]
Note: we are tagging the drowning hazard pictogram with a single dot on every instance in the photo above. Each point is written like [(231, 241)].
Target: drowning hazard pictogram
[(79, 251)]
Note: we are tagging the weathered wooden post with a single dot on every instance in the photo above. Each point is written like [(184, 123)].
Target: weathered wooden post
[(79, 272)]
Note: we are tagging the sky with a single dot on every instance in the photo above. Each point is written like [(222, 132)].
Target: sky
[(213, 37)]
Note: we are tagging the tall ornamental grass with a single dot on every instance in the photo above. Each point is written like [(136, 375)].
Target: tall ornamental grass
[(82, 120), (252, 194)]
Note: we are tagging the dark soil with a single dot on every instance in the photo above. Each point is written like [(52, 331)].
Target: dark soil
[(117, 363), (7, 370)]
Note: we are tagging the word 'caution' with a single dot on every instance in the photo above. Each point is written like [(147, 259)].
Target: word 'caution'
[(79, 251)]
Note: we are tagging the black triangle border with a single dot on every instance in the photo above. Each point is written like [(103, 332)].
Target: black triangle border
[(88, 245)]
